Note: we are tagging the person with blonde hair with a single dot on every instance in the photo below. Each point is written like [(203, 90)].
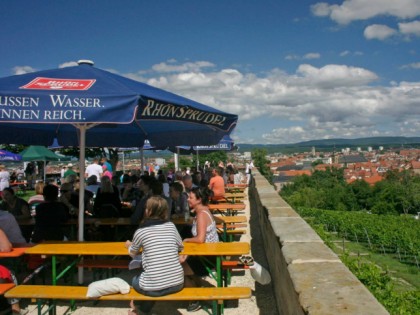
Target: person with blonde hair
[(38, 197), (159, 242)]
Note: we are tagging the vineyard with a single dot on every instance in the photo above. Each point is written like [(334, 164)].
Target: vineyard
[(397, 237), (387, 234)]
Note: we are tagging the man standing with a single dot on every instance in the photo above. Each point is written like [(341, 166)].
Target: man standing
[(94, 169), (104, 161), (248, 170)]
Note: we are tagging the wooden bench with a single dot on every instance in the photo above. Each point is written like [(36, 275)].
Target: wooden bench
[(227, 208), (233, 189), (4, 287), (49, 292), (234, 197)]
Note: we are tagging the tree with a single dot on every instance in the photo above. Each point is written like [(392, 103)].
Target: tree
[(261, 162)]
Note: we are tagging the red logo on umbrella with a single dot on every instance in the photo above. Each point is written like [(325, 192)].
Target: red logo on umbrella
[(59, 84)]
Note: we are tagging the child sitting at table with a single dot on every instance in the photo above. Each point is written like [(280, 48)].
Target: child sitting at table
[(7, 276), (160, 244)]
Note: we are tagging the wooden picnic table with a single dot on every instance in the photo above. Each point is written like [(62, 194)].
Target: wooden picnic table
[(230, 223), (220, 250), (229, 209), (234, 196), (234, 189), (14, 253)]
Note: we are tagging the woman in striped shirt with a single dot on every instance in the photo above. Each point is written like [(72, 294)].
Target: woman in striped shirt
[(160, 244)]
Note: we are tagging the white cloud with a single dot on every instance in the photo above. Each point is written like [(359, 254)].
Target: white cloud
[(292, 57), (336, 75), (348, 52), (352, 10), (188, 66), (377, 31), (410, 28), (68, 64), (414, 65), (306, 56), (312, 56), (311, 103), (23, 69)]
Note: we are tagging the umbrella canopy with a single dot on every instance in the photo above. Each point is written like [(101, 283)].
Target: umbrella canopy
[(226, 144), (38, 153), (9, 156), (117, 111), (86, 106)]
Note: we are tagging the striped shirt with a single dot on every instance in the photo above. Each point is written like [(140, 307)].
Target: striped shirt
[(161, 245)]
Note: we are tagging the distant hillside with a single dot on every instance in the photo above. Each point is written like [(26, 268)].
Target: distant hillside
[(329, 144)]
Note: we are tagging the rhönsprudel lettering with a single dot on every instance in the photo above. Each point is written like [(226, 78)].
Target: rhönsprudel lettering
[(170, 111)]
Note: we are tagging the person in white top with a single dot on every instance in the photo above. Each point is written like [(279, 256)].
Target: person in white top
[(4, 178), (248, 170), (94, 169)]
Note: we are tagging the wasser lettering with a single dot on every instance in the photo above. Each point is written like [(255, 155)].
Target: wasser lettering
[(161, 110), (19, 101), (66, 101), (24, 114)]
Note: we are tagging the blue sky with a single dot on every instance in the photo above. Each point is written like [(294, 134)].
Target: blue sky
[(292, 70)]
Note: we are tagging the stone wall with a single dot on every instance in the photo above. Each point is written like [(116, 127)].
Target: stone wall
[(308, 277)]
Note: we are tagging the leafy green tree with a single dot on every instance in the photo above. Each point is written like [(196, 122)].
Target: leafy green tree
[(362, 193), (261, 162), (213, 158)]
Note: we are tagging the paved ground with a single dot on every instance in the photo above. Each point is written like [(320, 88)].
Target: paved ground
[(262, 301)]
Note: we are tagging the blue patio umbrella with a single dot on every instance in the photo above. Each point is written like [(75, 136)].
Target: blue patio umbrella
[(86, 106), (9, 156), (226, 144)]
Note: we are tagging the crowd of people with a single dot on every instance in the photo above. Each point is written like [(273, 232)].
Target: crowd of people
[(150, 201)]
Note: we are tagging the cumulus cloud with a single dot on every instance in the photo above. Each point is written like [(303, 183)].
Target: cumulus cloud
[(23, 69), (188, 66), (311, 103), (335, 75), (352, 10), (410, 28), (68, 64), (312, 56), (377, 31), (414, 65), (307, 56), (348, 53)]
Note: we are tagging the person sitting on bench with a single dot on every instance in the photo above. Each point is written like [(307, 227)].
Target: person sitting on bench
[(160, 242)]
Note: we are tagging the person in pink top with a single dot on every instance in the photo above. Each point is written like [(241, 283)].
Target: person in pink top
[(106, 172), (217, 185)]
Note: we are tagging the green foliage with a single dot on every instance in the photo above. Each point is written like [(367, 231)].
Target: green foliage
[(213, 158), (386, 232), (261, 162), (398, 193), (379, 283), (184, 162), (394, 233)]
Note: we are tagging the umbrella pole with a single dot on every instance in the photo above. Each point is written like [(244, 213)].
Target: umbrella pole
[(82, 147), (142, 161), (176, 158)]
